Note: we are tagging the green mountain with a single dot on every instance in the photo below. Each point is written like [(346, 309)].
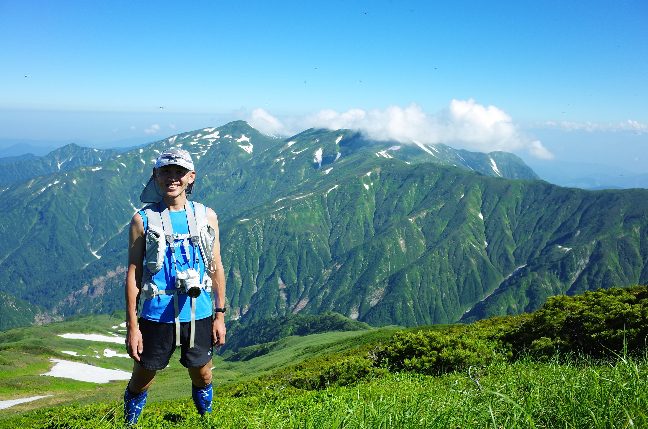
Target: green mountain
[(62, 159), (381, 232), (277, 328), (9, 159)]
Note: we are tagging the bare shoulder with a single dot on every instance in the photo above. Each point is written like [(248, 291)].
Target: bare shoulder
[(212, 218), (137, 225)]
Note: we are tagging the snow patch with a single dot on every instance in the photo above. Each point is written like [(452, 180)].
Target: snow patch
[(328, 170), (337, 156), (366, 186), (12, 402), (68, 352), (384, 154), (394, 148), (247, 148), (303, 196), (243, 220), (338, 140), (290, 143), (318, 157), (209, 130), (331, 189), (83, 372), (495, 169), (113, 353), (96, 168), (141, 150), (212, 136), (172, 139), (94, 337), (566, 249), (424, 148), (481, 216), (243, 139)]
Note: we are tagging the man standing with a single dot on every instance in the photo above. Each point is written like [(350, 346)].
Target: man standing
[(176, 276)]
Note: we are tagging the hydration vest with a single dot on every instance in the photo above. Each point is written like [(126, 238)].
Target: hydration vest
[(159, 235)]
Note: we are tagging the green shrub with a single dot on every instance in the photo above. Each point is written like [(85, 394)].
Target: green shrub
[(435, 352), (597, 324)]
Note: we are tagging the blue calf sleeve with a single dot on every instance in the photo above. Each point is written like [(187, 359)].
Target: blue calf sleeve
[(133, 405), (202, 398)]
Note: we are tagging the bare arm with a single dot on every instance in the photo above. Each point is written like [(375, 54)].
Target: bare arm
[(217, 275), (136, 248)]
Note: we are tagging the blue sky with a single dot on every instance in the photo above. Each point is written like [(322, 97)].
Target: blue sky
[(552, 79)]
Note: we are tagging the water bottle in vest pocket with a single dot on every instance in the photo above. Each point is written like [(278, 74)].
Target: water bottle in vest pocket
[(155, 248)]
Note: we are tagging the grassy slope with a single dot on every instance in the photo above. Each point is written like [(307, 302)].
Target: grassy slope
[(25, 354), (523, 395), (524, 391)]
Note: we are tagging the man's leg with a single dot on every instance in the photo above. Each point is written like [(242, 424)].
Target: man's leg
[(136, 391), (201, 389)]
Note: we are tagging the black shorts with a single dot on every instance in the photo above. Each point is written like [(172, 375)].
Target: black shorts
[(159, 344)]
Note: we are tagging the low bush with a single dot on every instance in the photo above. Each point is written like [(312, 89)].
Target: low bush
[(598, 324), (437, 352)]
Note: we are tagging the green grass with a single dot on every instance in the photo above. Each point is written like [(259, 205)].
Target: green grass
[(556, 394), (462, 376), (25, 354)]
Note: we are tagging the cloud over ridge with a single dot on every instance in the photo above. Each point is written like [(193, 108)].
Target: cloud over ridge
[(464, 124)]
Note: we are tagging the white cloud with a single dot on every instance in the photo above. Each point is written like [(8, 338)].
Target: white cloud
[(154, 129), (629, 125), (465, 124), (172, 126), (633, 126), (265, 122)]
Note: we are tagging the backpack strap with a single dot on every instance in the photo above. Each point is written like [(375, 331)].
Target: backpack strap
[(205, 242)]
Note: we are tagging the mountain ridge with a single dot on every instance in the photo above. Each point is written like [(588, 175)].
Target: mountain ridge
[(324, 220)]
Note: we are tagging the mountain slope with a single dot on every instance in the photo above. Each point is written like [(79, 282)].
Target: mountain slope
[(65, 233), (325, 220), (414, 245), (61, 159)]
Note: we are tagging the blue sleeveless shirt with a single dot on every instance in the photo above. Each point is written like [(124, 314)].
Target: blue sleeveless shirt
[(160, 308)]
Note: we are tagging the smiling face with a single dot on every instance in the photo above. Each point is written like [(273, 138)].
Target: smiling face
[(173, 179)]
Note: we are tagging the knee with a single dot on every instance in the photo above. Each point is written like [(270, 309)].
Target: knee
[(202, 380), (201, 377), (141, 379), (139, 385)]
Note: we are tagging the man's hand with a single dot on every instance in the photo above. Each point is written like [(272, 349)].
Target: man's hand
[(218, 331), (134, 343)]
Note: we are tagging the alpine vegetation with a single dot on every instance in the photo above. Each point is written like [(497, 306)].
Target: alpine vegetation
[(379, 231)]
